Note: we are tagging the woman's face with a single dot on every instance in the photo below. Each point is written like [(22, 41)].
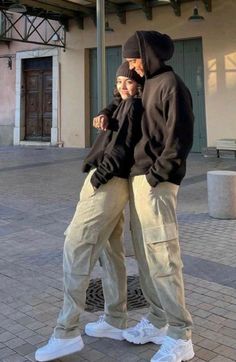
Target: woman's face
[(126, 87)]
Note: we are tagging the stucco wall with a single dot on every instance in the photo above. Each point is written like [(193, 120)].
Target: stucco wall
[(219, 52), (7, 100), (73, 96), (8, 97)]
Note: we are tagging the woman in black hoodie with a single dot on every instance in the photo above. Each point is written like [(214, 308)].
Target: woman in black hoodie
[(99, 218), (159, 167)]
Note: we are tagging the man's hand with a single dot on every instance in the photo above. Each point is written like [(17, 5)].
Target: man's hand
[(101, 122)]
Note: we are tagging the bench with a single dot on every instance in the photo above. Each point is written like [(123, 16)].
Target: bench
[(228, 144)]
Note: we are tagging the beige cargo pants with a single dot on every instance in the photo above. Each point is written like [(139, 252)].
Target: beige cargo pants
[(156, 246), (97, 219), (155, 240)]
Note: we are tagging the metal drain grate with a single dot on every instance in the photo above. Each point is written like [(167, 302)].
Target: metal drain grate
[(95, 299)]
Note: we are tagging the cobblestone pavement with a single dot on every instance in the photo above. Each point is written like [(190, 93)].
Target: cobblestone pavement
[(38, 192)]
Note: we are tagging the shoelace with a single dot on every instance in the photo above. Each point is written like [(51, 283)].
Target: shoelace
[(143, 323), (51, 340), (168, 345), (101, 319)]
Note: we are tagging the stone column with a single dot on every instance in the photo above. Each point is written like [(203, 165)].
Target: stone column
[(221, 186)]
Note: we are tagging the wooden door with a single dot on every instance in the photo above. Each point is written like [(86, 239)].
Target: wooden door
[(47, 105), (38, 100)]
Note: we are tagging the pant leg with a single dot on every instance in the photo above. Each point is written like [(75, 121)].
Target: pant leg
[(156, 313), (114, 278), (96, 215), (159, 254)]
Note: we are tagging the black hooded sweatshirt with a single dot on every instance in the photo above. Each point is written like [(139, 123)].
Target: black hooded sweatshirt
[(112, 152), (167, 121)]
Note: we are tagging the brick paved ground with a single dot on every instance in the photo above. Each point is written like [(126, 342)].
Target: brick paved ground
[(38, 191)]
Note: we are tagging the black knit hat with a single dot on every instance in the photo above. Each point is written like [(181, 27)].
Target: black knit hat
[(162, 45), (124, 71), (131, 48)]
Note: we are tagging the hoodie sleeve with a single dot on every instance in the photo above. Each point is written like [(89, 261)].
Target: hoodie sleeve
[(109, 110), (178, 140), (120, 156)]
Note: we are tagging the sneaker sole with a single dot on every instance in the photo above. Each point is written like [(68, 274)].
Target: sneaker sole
[(113, 335), (64, 352), (186, 358), (156, 340)]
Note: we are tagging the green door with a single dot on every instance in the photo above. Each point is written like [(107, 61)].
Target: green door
[(187, 62), (113, 60)]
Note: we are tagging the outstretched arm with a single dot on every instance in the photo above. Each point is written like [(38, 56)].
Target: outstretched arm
[(103, 120), (119, 157)]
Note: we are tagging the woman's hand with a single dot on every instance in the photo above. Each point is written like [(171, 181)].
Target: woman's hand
[(101, 122)]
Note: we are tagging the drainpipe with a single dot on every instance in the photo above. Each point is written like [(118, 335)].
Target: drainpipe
[(60, 143), (101, 54)]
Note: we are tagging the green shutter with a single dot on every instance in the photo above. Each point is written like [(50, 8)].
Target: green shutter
[(188, 64)]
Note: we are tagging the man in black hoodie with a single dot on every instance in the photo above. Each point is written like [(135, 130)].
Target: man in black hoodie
[(160, 165)]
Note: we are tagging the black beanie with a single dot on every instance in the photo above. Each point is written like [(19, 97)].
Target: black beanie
[(124, 71), (131, 48), (161, 44)]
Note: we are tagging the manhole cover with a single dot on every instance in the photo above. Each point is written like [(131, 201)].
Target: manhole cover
[(95, 299)]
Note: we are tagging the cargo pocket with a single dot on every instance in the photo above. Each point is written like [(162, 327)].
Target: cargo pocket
[(79, 248), (159, 244), (158, 259), (164, 257), (160, 233)]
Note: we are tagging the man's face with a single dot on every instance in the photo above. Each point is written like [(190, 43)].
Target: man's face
[(137, 65)]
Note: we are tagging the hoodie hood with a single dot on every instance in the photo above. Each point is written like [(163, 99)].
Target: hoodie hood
[(154, 49)]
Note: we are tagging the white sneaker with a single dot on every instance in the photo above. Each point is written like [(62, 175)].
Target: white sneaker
[(101, 328), (174, 350), (145, 332), (57, 348)]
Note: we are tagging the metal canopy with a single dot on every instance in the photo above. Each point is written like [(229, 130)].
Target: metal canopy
[(63, 10), (46, 21), (31, 29)]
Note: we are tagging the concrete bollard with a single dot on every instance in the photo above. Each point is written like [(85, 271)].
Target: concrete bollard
[(221, 186)]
